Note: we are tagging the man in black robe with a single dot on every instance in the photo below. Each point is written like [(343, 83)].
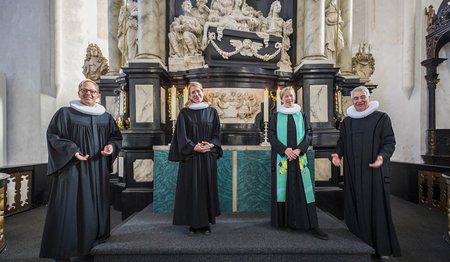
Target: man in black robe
[(83, 141), (367, 143)]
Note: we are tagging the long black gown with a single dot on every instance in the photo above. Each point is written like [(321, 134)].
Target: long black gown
[(197, 198), (78, 209), (295, 212), (366, 189)]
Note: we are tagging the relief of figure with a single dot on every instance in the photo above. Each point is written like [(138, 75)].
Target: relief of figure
[(185, 33), (363, 63), (332, 16), (238, 18), (277, 26), (129, 47), (201, 12), (95, 64)]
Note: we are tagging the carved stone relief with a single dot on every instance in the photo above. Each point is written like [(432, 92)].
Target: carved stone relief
[(189, 34), (236, 106), (128, 45), (363, 63), (95, 64)]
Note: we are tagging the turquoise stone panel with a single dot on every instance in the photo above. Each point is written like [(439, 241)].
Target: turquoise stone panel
[(253, 176), (165, 174), (225, 181)]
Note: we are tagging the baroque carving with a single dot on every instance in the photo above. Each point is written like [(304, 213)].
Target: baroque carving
[(128, 44), (235, 106), (332, 30), (95, 64), (189, 34), (363, 63)]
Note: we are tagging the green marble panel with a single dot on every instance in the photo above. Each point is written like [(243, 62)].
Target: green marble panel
[(225, 181), (253, 177), (165, 174)]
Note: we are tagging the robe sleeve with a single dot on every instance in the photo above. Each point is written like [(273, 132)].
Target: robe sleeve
[(181, 146), (277, 146), (61, 151), (387, 139), (216, 136), (340, 142), (115, 139), (306, 142)]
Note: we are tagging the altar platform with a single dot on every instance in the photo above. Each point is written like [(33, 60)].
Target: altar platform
[(238, 236)]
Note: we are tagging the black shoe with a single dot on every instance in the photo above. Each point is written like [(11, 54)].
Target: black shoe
[(206, 230), (316, 232), (191, 232)]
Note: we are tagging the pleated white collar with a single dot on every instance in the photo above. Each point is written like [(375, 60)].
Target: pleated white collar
[(373, 106), (89, 110), (198, 106), (289, 110)]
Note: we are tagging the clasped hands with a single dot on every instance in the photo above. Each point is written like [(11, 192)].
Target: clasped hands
[(107, 150), (203, 147), (292, 154), (337, 161)]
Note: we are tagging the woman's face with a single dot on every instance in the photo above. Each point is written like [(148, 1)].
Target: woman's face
[(288, 99), (196, 94)]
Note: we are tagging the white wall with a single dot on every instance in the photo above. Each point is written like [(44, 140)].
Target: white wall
[(77, 23), (43, 48), (396, 30)]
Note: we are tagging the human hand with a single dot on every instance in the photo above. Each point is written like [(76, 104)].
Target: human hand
[(199, 147), (81, 157), (335, 160), (107, 150), (377, 163), (290, 154), (207, 144)]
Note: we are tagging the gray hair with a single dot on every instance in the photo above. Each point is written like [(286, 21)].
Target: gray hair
[(287, 89), (80, 85), (360, 88)]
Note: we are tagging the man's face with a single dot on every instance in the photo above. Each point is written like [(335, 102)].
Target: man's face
[(88, 94), (360, 100)]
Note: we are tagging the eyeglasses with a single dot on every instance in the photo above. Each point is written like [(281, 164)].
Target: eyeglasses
[(85, 91)]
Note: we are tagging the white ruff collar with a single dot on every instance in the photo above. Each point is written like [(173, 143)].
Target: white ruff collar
[(289, 110), (373, 106), (198, 106), (89, 110)]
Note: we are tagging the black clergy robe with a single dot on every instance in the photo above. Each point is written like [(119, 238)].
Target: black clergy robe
[(197, 197), (295, 212), (78, 209), (366, 189)]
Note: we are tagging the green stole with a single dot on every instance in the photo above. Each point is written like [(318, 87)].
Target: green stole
[(282, 164)]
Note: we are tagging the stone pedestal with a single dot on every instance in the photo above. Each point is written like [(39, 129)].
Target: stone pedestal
[(147, 82), (318, 82), (3, 180)]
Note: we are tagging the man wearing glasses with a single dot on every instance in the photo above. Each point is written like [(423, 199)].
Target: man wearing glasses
[(367, 143), (83, 140)]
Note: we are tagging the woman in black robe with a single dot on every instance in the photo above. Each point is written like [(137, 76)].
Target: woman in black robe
[(293, 204), (196, 145)]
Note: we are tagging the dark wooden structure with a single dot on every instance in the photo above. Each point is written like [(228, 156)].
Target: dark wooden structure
[(438, 140)]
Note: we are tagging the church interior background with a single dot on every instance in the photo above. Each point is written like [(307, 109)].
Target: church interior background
[(144, 55)]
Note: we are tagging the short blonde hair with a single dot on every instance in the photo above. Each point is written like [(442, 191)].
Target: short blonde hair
[(287, 89), (80, 85)]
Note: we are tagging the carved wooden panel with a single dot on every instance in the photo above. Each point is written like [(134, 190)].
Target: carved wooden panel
[(18, 192), (432, 189)]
